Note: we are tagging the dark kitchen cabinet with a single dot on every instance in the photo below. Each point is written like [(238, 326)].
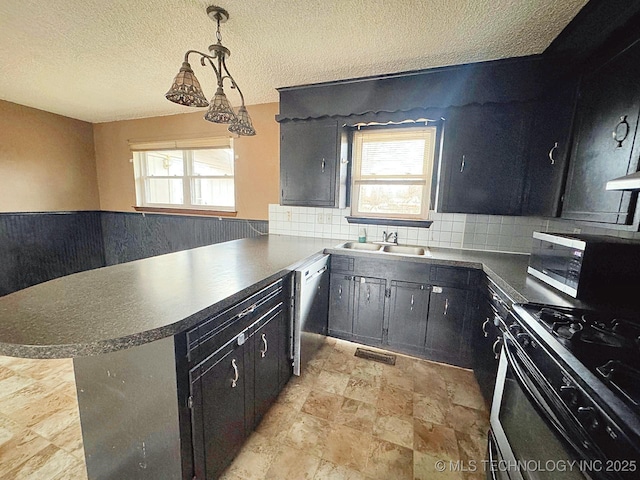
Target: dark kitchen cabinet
[(547, 152), (485, 338), (368, 312), (268, 357), (341, 294), (356, 308), (606, 122), (408, 311), (447, 335), (220, 392), (492, 319), (483, 159), (312, 163), (238, 361), (410, 316)]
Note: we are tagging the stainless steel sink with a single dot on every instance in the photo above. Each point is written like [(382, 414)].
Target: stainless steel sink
[(404, 249), (392, 249), (372, 247)]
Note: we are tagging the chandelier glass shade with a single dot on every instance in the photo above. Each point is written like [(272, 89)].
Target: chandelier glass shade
[(186, 89)]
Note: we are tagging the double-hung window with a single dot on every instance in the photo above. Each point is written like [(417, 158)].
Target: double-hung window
[(392, 171), (199, 176)]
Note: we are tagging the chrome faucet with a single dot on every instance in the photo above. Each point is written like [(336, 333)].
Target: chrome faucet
[(391, 235)]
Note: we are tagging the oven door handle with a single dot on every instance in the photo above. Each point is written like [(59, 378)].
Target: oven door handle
[(573, 438)]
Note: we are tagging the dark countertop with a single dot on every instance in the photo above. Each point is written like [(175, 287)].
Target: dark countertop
[(133, 303), (508, 270), (120, 306)]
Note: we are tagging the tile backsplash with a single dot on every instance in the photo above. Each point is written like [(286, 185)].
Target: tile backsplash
[(449, 230)]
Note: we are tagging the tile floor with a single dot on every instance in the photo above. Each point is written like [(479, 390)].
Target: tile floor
[(40, 436), (356, 419), (347, 419)]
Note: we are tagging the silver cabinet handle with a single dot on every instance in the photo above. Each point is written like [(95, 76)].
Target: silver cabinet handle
[(264, 341), (554, 148), (622, 137), (247, 311), (323, 164), (446, 305), (339, 291), (496, 344), (412, 302), (462, 164), (484, 327), (368, 293), (234, 382)]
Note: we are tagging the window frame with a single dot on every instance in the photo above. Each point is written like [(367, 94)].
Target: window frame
[(425, 180), (187, 147)]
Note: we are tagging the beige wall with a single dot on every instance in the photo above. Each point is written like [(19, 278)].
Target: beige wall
[(257, 158), (46, 161)]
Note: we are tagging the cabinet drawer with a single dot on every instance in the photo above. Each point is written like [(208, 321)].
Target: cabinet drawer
[(213, 333), (341, 263), (458, 277)]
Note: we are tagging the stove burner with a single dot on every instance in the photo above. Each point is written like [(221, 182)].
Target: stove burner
[(623, 378), (567, 330), (599, 335), (553, 316)]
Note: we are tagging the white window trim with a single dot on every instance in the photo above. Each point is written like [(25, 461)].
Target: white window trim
[(186, 146), (425, 180)]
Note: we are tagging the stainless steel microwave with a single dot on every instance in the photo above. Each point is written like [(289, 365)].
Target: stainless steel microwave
[(592, 268)]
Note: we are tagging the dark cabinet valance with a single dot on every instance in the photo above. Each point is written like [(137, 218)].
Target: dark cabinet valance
[(499, 81)]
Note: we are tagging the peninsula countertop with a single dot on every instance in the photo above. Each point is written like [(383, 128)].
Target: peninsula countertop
[(129, 304)]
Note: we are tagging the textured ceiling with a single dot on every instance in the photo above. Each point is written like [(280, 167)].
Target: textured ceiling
[(110, 60)]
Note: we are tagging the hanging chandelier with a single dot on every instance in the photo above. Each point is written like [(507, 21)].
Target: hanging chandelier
[(186, 89)]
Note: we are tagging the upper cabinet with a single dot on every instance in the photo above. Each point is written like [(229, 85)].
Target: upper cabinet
[(546, 153), (603, 146), (482, 167), (312, 163)]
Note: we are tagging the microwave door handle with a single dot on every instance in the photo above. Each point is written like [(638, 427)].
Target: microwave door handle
[(543, 409)]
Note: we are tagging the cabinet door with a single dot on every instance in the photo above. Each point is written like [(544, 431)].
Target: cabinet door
[(368, 313), (309, 162), (608, 105), (267, 344), (482, 157), (484, 335), (447, 338), (219, 394), (547, 153), (341, 304), (408, 310)]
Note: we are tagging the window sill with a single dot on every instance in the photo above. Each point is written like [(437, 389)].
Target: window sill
[(390, 222), (186, 211)]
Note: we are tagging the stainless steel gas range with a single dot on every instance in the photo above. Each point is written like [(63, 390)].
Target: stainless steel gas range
[(567, 398)]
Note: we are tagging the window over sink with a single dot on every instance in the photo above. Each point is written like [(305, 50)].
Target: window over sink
[(392, 171), (190, 175)]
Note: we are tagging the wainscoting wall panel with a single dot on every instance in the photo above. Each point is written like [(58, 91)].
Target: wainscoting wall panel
[(131, 236), (36, 247)]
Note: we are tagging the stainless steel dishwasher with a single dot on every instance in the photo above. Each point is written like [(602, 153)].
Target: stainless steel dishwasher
[(311, 307)]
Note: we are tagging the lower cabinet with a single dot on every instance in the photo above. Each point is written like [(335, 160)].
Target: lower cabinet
[(368, 310), (232, 387), (341, 293), (408, 311), (356, 308), (420, 309), (268, 358), (448, 314), (220, 395)]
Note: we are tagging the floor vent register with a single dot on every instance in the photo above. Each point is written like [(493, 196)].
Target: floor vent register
[(376, 356)]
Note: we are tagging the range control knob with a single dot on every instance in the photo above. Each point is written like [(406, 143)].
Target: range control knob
[(515, 329), (569, 394), (523, 339), (589, 417)]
